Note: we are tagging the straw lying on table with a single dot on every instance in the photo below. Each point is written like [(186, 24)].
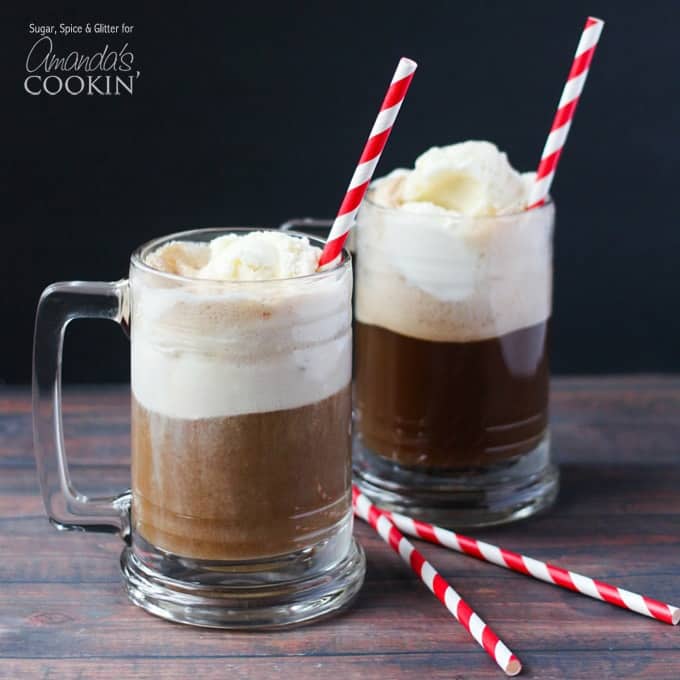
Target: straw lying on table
[(369, 159), (461, 611), (528, 566), (565, 111)]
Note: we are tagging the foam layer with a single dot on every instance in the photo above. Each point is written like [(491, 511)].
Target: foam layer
[(203, 349), (430, 272)]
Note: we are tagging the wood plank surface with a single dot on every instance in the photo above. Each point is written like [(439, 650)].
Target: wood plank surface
[(63, 612)]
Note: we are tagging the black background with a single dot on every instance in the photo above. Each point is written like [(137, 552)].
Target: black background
[(250, 113)]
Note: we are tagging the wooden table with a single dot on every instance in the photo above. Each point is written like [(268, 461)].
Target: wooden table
[(63, 613)]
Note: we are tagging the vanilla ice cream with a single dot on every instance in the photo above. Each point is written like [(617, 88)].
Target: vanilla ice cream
[(452, 242), (255, 256)]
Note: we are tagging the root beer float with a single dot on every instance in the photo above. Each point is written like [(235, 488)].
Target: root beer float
[(452, 303), (241, 399)]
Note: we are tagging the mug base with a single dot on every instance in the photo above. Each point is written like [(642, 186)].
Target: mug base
[(497, 494), (241, 605)]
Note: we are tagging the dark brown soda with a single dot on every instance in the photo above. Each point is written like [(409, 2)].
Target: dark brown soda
[(245, 486), (451, 405)]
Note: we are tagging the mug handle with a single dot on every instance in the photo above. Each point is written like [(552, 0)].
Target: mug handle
[(303, 224), (60, 303), (317, 227)]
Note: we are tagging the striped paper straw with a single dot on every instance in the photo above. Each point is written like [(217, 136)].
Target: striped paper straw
[(369, 159), (565, 112), (460, 609), (528, 566)]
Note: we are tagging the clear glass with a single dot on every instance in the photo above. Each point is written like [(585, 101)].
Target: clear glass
[(60, 304), (239, 514), (452, 379)]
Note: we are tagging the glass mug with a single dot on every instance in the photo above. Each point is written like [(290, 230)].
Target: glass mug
[(452, 378), (451, 363), (239, 515)]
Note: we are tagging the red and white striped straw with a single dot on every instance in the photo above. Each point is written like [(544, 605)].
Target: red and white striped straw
[(460, 609), (565, 112), (528, 566), (368, 160)]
